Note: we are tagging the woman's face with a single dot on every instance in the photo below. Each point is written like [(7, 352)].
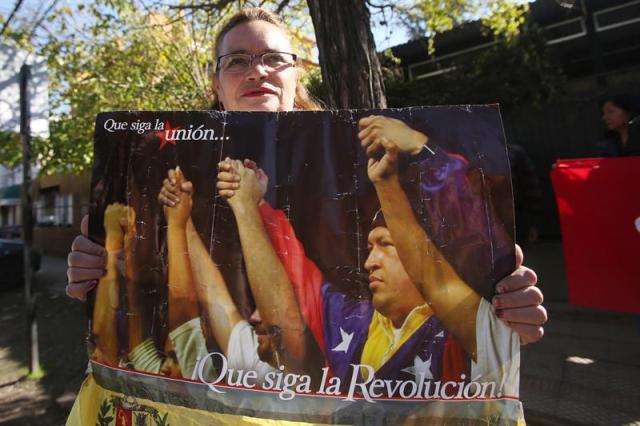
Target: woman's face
[(258, 89), (614, 117)]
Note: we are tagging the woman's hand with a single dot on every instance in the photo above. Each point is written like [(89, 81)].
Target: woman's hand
[(519, 302), (86, 264)]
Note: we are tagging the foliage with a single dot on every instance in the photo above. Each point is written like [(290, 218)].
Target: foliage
[(155, 55), (125, 61), (314, 84), (127, 55), (513, 72), (11, 148), (427, 18)]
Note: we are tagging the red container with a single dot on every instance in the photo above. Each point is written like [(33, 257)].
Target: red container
[(599, 206)]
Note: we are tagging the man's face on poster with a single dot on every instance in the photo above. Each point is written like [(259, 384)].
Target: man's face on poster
[(388, 280), (266, 347)]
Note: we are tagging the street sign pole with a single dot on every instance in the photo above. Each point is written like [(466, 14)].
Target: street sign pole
[(27, 221)]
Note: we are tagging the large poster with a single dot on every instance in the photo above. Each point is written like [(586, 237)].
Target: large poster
[(320, 267)]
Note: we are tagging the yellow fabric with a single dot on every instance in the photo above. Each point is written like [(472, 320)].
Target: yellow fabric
[(381, 342), (90, 399)]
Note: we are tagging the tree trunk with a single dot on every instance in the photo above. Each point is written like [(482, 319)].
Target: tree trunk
[(350, 67)]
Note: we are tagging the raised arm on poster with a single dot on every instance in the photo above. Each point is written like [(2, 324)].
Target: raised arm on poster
[(452, 300), (246, 347), (493, 348), (280, 340), (518, 301), (104, 325), (221, 313), (267, 277)]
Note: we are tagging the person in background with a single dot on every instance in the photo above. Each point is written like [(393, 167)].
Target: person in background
[(527, 195), (620, 116)]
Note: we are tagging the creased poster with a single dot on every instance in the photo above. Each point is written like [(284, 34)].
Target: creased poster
[(302, 267)]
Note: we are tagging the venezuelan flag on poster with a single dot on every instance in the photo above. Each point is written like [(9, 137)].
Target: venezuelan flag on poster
[(599, 207)]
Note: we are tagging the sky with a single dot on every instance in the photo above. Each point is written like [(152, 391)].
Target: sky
[(395, 34), (385, 36)]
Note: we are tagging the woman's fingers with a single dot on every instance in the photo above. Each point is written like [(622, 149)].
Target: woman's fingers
[(519, 256), (85, 245), (519, 279), (78, 275), (80, 290), (528, 333), (86, 263), (84, 225), (531, 315), (78, 259)]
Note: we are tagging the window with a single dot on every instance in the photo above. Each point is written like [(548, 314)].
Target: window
[(54, 208), (617, 16), (565, 30)]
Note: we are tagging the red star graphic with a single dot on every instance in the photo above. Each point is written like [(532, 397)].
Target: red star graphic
[(162, 134)]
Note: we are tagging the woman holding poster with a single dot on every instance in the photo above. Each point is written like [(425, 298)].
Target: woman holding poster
[(255, 72), (263, 88)]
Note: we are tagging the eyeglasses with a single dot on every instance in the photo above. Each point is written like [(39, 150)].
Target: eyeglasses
[(238, 63)]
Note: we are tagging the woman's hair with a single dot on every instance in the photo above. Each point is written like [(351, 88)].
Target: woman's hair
[(630, 104), (303, 100)]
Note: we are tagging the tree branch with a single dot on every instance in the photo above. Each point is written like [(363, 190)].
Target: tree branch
[(221, 4), (13, 13), (42, 18), (281, 6), (382, 7)]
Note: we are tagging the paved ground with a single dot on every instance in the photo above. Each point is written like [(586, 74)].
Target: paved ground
[(62, 324), (586, 370)]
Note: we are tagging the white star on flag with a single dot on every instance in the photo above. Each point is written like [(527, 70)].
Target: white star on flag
[(420, 366), (346, 341)]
